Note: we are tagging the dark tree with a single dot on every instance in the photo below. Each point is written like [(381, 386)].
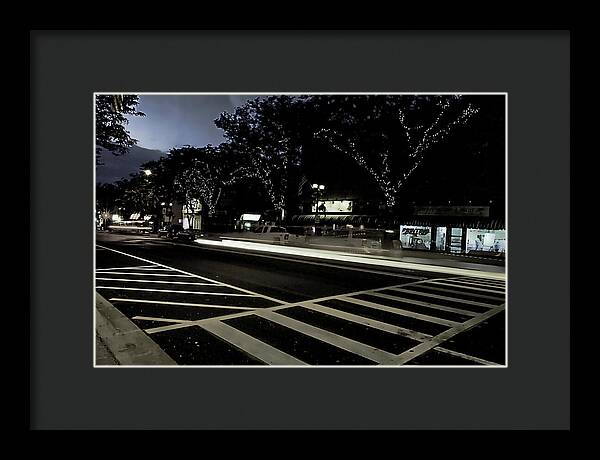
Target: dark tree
[(266, 132), (201, 173), (388, 136), (111, 121)]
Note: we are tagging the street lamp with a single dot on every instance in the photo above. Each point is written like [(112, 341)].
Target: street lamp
[(147, 172)]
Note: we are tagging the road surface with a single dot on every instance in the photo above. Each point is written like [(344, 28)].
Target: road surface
[(213, 306)]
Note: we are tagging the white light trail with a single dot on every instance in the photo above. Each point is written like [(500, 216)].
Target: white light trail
[(353, 258)]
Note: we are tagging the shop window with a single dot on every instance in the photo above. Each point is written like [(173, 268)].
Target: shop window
[(456, 240), (440, 239), (415, 237), (486, 240)]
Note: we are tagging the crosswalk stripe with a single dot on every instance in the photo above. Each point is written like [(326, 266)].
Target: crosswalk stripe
[(478, 282), (368, 322), (194, 275), (172, 327), (164, 320), (457, 284), (465, 356), (184, 304), (400, 311), (160, 282), (250, 345), (174, 291), (425, 304), (145, 274), (149, 269), (137, 267), (357, 348), (424, 347), (443, 297), (455, 291)]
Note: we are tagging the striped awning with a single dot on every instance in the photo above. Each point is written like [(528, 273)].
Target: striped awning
[(483, 223), (341, 219), (374, 221)]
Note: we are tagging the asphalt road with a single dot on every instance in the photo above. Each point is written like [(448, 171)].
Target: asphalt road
[(216, 306)]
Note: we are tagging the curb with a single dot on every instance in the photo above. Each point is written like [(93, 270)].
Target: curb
[(127, 342)]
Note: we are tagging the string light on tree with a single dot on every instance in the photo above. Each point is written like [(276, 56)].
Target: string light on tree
[(420, 138)]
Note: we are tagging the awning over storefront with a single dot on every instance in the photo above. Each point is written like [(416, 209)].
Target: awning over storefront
[(456, 222), (371, 221), (338, 219)]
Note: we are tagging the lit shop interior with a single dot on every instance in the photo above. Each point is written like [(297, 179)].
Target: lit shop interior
[(453, 239)]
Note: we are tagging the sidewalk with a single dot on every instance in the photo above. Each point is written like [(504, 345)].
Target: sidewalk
[(120, 342), (104, 357)]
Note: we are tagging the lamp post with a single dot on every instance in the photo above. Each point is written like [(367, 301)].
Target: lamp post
[(156, 216), (318, 191)]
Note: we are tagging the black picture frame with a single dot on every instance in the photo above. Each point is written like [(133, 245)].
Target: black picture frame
[(67, 67)]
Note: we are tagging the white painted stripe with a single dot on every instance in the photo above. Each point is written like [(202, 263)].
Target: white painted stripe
[(147, 269), (425, 304), (197, 276), (175, 291), (443, 297), (164, 320), (373, 323), (141, 267), (499, 299), (357, 348), (400, 311), (250, 345), (142, 274), (185, 304), (198, 322), (464, 356), (160, 282), (457, 284), (274, 308), (424, 347), (338, 296), (478, 282)]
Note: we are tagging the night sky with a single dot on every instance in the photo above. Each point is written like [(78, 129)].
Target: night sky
[(175, 120)]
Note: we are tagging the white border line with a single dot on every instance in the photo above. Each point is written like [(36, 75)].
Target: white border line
[(267, 93)]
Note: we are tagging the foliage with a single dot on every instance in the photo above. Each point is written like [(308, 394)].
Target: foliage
[(389, 136), (111, 111), (201, 173), (265, 132)]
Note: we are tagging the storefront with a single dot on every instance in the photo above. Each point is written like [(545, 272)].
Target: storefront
[(192, 215), (454, 229)]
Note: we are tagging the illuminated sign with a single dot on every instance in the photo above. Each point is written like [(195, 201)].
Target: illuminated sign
[(415, 237), (333, 206), (250, 217)]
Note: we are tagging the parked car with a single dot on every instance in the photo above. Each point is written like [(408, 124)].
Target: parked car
[(186, 235), (271, 232), (170, 231)]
